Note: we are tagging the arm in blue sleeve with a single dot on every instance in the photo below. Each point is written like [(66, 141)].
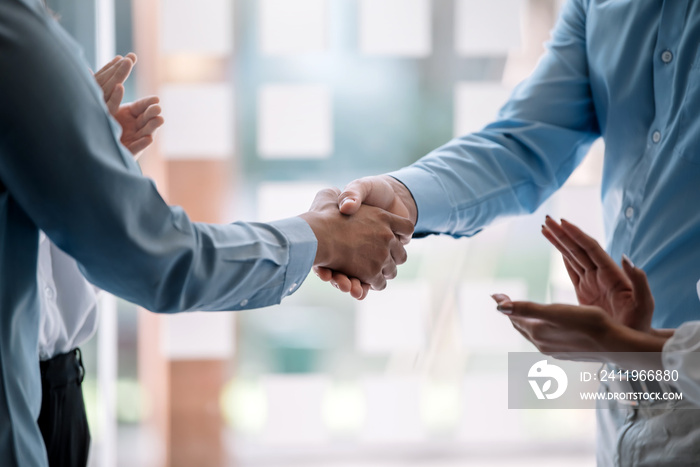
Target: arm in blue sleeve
[(514, 164), (61, 160)]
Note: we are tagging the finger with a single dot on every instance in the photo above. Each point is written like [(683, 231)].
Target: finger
[(592, 248), (500, 297), (324, 274), (149, 113), (115, 99), (389, 271), (325, 197), (531, 310), (106, 70), (565, 253), (132, 56), (402, 227), (398, 252), (356, 290), (354, 195), (139, 145), (150, 127), (365, 291), (576, 253), (571, 270), (138, 107), (121, 73), (642, 291), (377, 282), (341, 282)]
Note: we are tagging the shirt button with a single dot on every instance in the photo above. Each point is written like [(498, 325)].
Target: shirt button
[(629, 212), (294, 286), (656, 136), (666, 56), (48, 291), (244, 302)]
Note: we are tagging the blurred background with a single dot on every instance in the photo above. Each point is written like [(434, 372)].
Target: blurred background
[(266, 102)]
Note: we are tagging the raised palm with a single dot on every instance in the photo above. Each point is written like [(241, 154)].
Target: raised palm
[(598, 280)]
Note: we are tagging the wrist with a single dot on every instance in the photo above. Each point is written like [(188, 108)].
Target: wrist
[(638, 350), (316, 222), (405, 196)]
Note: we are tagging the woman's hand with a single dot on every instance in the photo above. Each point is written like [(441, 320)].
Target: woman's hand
[(623, 293), (579, 332)]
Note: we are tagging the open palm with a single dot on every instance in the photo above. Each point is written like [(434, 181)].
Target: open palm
[(622, 292)]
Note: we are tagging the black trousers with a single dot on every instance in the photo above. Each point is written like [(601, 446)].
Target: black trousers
[(62, 419)]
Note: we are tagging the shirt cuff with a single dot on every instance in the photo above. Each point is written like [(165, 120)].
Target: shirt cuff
[(432, 201), (302, 251)]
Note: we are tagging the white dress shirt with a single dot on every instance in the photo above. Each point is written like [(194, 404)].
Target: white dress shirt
[(68, 315), (682, 353)]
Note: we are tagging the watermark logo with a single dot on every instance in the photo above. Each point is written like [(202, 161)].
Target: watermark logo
[(544, 372)]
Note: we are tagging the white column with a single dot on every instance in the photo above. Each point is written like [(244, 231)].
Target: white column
[(107, 332)]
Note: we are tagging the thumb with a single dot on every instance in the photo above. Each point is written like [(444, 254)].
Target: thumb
[(642, 291), (355, 193), (374, 191)]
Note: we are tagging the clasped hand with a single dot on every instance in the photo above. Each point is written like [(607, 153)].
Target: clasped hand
[(380, 196), (366, 246)]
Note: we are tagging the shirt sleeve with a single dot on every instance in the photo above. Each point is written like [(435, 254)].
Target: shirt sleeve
[(682, 353), (514, 164), (62, 163)]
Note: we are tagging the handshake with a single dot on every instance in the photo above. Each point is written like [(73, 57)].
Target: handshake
[(361, 233)]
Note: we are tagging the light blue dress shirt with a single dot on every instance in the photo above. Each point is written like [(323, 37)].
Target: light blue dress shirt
[(626, 70), (63, 170)]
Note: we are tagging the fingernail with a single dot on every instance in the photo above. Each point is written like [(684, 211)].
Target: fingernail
[(625, 259), (505, 308), (547, 217), (346, 200)]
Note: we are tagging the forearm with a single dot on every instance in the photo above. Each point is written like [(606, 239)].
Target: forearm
[(514, 164), (66, 170)]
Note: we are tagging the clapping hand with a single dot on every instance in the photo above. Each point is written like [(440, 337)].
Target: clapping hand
[(622, 292), (614, 314), (139, 120)]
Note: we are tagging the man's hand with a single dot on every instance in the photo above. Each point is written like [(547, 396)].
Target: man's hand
[(623, 293), (139, 120), (366, 246), (111, 78), (381, 191)]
